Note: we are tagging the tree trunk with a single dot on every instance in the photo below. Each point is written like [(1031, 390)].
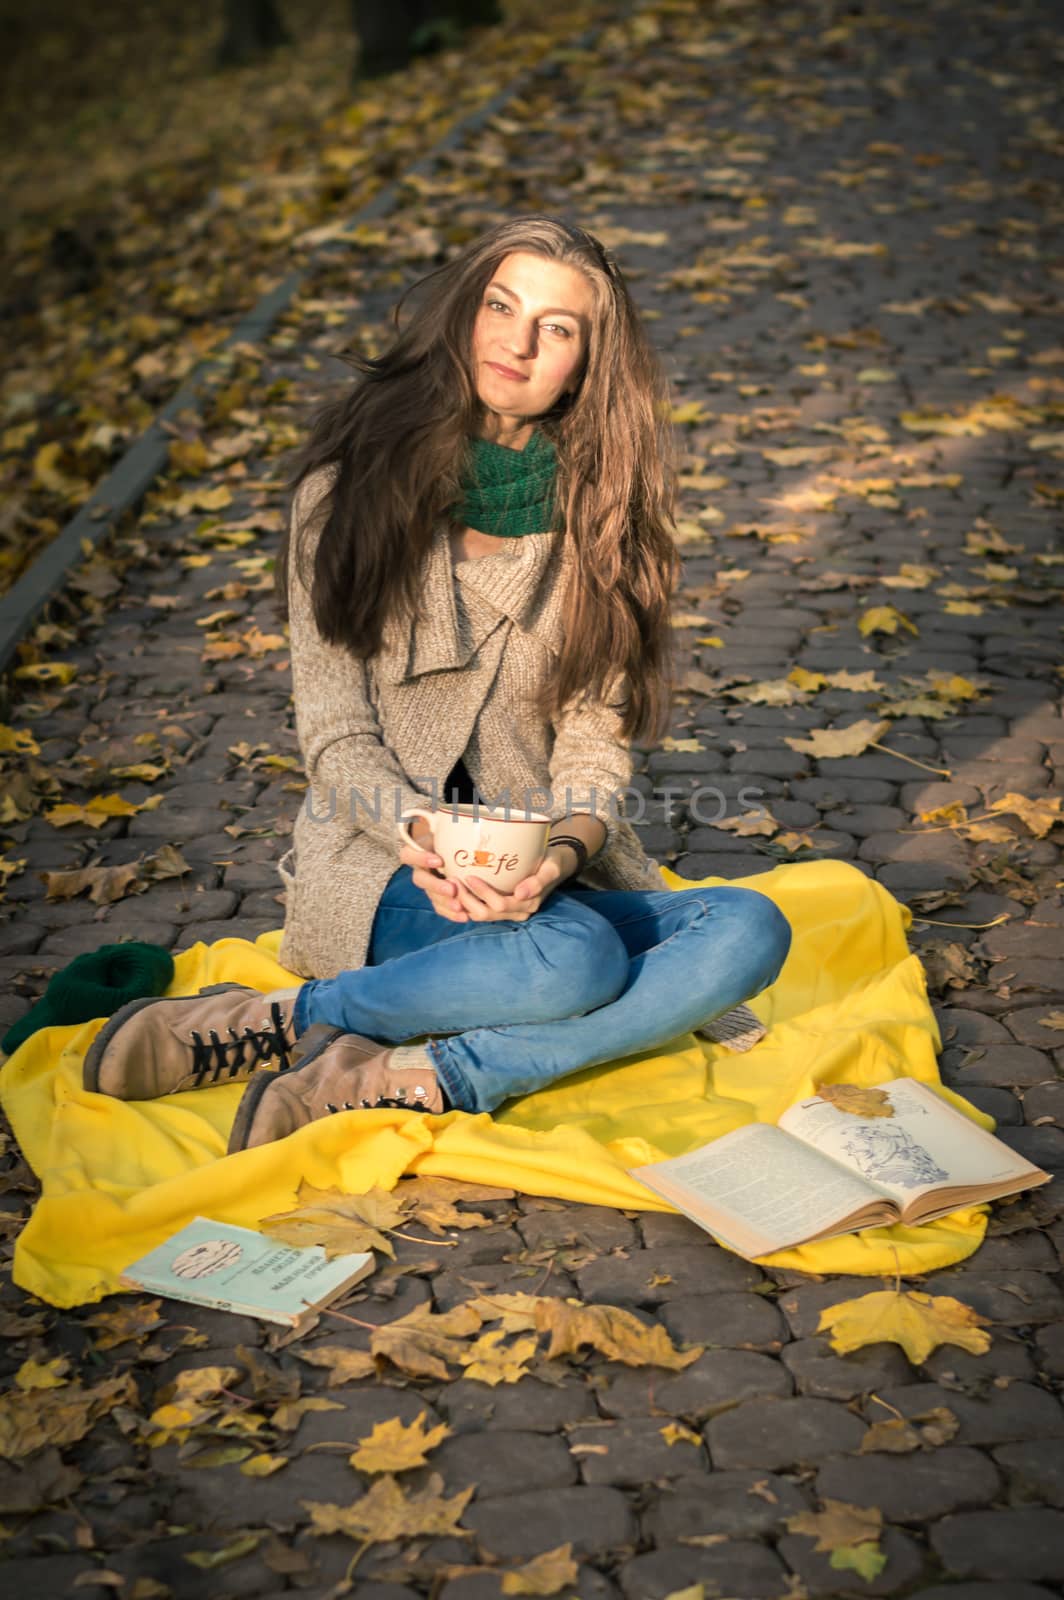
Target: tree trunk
[(253, 28)]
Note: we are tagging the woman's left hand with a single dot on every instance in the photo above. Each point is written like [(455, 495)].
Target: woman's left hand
[(485, 904)]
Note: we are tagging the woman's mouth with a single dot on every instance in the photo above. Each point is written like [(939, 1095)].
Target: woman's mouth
[(507, 372)]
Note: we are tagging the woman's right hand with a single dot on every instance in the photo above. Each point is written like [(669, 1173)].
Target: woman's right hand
[(426, 875)]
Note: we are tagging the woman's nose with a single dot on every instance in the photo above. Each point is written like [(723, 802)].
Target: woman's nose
[(522, 339)]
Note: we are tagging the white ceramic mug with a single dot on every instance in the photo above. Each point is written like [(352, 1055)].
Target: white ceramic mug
[(499, 848)]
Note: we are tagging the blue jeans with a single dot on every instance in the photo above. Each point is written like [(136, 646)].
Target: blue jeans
[(593, 975)]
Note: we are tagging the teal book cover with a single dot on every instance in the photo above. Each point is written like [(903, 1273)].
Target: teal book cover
[(236, 1269)]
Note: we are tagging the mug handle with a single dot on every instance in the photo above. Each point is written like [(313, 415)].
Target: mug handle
[(403, 826)]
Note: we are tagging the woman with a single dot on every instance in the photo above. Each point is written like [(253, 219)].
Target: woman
[(478, 572)]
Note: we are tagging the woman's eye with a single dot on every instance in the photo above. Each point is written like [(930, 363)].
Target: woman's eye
[(556, 327)]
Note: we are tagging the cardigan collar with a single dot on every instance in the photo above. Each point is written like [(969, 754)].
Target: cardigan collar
[(519, 581)]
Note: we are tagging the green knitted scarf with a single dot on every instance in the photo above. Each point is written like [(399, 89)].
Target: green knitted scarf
[(508, 492)]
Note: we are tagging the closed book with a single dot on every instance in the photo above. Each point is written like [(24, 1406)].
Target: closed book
[(236, 1269)]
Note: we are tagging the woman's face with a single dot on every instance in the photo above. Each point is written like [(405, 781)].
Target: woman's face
[(531, 335)]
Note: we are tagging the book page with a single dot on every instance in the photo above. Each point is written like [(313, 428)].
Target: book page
[(925, 1145), (759, 1189)]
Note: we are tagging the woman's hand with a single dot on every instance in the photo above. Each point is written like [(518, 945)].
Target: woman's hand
[(482, 903), (426, 874)]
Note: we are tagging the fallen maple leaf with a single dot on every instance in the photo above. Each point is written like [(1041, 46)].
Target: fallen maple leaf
[(678, 1433), (391, 1447), (850, 1533), (423, 1342), (17, 741), (344, 1364), (99, 810), (489, 1361), (616, 1333), (386, 1512), (1052, 1019), (42, 1374), (132, 1321), (918, 1322), (884, 619), (855, 1101), (830, 743), (545, 1574), (1038, 816)]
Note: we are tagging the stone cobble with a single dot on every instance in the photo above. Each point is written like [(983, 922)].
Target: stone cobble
[(863, 203)]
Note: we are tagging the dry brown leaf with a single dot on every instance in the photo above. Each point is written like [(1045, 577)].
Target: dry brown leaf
[(516, 1311), (1038, 816), (433, 1202), (918, 1322), (545, 1574), (391, 1447), (614, 1332), (838, 1524), (290, 1413), (386, 1512), (829, 743), (855, 1101), (105, 885), (678, 1433), (750, 825), (422, 1343), (344, 1364), (31, 1420)]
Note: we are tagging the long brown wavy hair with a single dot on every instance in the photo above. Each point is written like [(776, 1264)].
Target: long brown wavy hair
[(398, 438)]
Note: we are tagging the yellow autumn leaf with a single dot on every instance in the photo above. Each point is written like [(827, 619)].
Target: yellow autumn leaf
[(387, 1512), (393, 1447), (809, 681), (48, 672), (855, 682), (916, 1321), (545, 1574), (43, 1374), (884, 619), (690, 411), (768, 692), (855, 1101), (910, 575), (963, 608), (750, 825), (134, 1320), (142, 771), (423, 1342), (99, 810), (952, 815), (615, 1333), (490, 1361), (262, 1465), (1038, 816), (685, 745), (713, 640), (17, 741), (830, 743), (678, 1433)]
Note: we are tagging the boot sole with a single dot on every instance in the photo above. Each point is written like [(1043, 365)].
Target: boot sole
[(95, 1055), (258, 1084)]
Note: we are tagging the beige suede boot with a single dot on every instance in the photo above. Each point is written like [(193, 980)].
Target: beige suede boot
[(162, 1046), (345, 1072)]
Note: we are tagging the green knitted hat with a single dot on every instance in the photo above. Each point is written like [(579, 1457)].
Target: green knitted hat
[(96, 985)]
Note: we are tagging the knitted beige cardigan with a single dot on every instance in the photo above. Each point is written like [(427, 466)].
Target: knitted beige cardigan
[(379, 736)]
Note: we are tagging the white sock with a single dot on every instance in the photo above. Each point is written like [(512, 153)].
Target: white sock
[(412, 1058)]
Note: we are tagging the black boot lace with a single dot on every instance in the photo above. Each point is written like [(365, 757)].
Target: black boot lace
[(396, 1102), (215, 1058)]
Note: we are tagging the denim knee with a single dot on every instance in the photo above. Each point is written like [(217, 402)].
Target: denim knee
[(582, 959), (766, 934)]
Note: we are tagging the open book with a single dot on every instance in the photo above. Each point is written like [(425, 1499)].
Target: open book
[(236, 1269), (822, 1171)]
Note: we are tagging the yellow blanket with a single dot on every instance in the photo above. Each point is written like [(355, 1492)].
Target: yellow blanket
[(118, 1177)]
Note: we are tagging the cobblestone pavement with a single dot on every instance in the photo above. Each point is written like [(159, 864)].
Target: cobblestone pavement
[(841, 222)]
